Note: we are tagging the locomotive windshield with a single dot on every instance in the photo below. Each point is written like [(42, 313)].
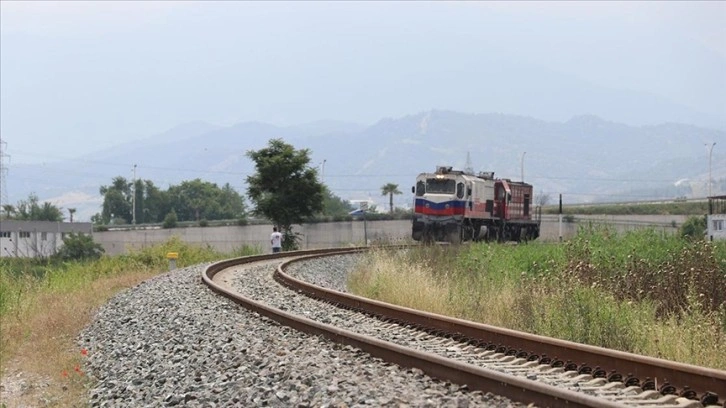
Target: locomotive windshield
[(440, 186), (420, 188)]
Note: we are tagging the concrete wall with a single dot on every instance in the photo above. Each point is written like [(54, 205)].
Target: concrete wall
[(336, 234)]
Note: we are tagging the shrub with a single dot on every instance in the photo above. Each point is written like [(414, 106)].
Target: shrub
[(78, 247), (694, 227), (170, 220), (290, 240)]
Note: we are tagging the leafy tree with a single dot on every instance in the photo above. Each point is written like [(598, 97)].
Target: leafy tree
[(170, 220), (32, 210), (232, 204), (116, 201), (694, 227), (334, 206), (153, 203), (9, 211), (197, 199), (191, 200), (390, 189), (284, 189), (78, 246)]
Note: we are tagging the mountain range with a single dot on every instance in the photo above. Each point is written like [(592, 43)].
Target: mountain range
[(586, 159)]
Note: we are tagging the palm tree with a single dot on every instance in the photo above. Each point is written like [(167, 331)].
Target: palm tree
[(71, 211), (390, 189), (9, 210)]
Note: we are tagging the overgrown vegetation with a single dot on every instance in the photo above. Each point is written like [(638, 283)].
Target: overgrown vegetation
[(641, 291), (33, 210), (674, 208), (79, 247), (44, 304), (694, 227), (141, 202)]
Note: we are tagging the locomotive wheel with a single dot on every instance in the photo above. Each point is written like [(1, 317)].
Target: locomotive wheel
[(454, 235), (428, 237)]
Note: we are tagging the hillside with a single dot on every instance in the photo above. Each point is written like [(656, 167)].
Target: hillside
[(587, 159)]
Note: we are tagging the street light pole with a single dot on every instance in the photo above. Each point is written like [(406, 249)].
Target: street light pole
[(710, 153), (522, 164), (133, 200)]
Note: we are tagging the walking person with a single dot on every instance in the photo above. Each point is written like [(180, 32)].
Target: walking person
[(276, 240)]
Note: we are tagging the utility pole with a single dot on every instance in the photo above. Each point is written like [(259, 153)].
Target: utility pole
[(468, 168), (710, 153), (133, 200), (3, 173)]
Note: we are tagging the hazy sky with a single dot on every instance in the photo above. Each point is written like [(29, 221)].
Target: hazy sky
[(76, 77)]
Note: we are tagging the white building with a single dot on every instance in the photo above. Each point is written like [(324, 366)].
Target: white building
[(716, 219), (30, 239)]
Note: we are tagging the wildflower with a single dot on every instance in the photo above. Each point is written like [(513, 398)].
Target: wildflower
[(64, 373), (84, 352)]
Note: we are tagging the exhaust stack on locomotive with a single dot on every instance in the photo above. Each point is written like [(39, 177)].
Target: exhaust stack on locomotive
[(455, 206)]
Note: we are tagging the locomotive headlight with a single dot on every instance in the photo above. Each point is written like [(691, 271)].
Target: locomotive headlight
[(446, 206), (427, 205)]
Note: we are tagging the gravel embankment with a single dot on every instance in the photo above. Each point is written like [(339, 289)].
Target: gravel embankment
[(171, 342)]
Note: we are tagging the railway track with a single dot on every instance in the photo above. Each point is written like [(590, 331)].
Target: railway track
[(520, 366)]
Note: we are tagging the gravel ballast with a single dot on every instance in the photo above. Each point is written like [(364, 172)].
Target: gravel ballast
[(170, 341)]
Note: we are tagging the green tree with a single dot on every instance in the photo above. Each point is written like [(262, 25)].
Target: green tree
[(32, 210), (232, 204), (78, 246), (116, 201), (197, 199), (284, 189), (334, 206), (694, 227), (9, 211), (390, 189), (170, 220), (154, 203)]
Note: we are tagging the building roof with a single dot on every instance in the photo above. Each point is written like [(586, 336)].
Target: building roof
[(46, 226)]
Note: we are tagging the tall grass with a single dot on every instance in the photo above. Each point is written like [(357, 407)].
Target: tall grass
[(44, 306), (641, 291)]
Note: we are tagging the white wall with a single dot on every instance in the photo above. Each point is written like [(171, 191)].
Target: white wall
[(716, 224), (335, 234)]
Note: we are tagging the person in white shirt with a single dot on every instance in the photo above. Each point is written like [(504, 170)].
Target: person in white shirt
[(276, 240)]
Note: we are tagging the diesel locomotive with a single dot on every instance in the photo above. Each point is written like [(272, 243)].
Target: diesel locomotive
[(456, 206)]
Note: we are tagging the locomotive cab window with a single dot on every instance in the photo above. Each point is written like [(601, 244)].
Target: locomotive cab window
[(460, 190), (440, 186), (420, 188)]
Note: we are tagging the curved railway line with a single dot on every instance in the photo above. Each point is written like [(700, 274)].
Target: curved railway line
[(521, 366)]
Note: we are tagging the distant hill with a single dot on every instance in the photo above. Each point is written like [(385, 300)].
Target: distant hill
[(587, 159)]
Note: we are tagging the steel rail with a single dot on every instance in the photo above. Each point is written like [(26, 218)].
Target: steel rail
[(703, 381), (515, 388)]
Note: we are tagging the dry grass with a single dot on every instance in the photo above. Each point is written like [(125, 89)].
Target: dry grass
[(389, 276), (39, 340), (534, 288), (45, 305)]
